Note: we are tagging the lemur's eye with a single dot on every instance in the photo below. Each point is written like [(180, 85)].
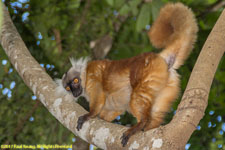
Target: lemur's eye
[(68, 88), (75, 80)]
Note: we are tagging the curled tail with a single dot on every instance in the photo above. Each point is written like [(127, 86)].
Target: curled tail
[(175, 30)]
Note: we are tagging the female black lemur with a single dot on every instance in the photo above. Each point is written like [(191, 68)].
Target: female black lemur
[(144, 85)]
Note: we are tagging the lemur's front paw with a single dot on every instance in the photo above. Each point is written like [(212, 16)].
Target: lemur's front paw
[(81, 121), (124, 139)]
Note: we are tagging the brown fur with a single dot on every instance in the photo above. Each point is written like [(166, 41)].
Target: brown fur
[(143, 85), (175, 31)]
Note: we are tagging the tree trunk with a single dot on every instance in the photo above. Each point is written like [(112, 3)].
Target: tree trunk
[(106, 135)]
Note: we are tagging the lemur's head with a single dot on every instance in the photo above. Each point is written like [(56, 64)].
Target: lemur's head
[(73, 81)]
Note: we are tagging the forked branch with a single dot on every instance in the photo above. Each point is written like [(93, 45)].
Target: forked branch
[(107, 135)]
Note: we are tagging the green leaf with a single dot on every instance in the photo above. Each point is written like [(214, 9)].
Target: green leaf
[(133, 6), (74, 5), (134, 3), (155, 8), (124, 10), (118, 3), (110, 2), (143, 17)]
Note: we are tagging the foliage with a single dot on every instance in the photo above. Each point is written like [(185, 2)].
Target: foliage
[(71, 25)]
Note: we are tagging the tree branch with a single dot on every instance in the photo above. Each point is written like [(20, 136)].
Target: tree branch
[(84, 14), (58, 39), (103, 45), (107, 135), (214, 7), (195, 98)]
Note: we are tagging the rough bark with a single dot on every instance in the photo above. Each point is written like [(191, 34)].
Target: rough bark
[(107, 135)]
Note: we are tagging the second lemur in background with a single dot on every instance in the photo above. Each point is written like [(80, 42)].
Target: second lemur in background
[(144, 85)]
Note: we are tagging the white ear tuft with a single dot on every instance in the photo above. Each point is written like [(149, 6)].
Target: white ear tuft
[(79, 62)]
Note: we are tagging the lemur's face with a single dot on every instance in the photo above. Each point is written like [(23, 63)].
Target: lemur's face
[(72, 82)]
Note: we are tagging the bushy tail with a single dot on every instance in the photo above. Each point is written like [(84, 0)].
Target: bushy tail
[(175, 30)]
